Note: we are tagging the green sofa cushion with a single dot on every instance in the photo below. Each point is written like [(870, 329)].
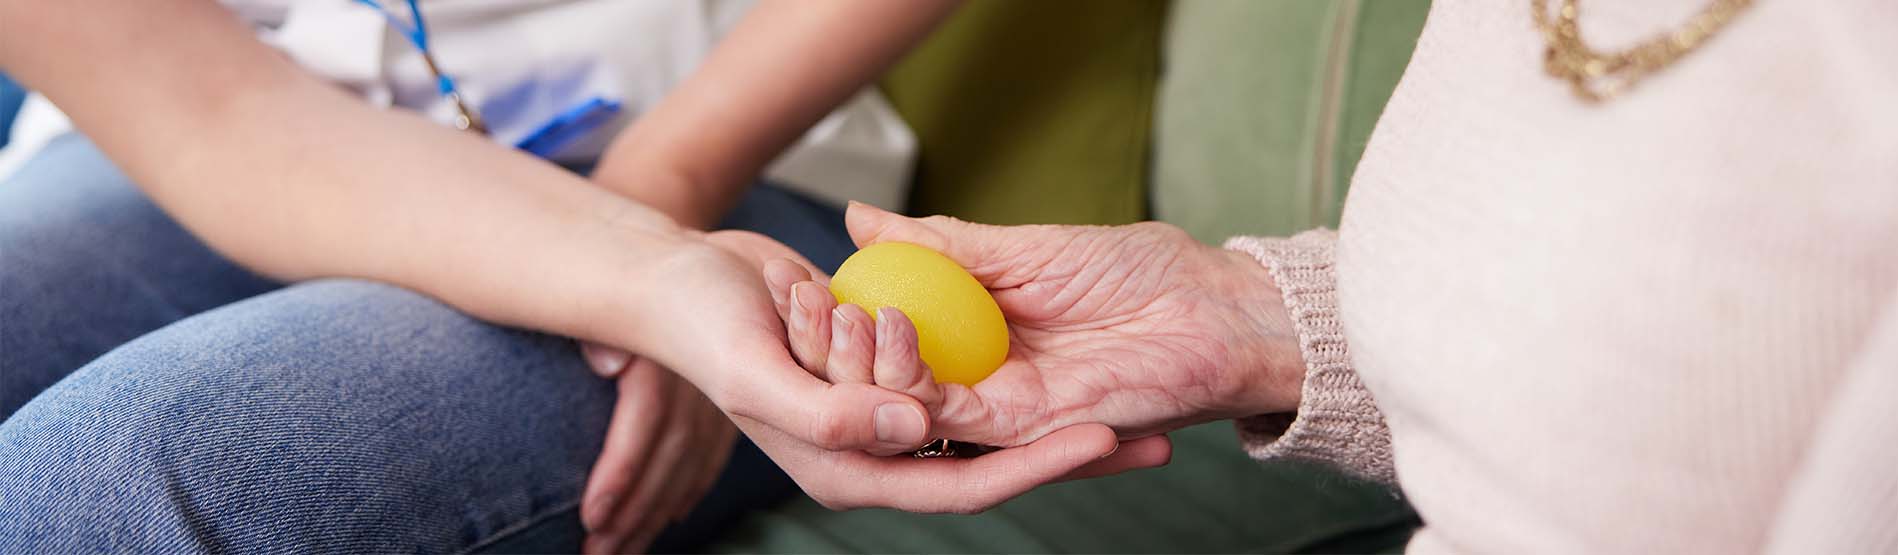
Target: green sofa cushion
[(1033, 112), (1266, 108)]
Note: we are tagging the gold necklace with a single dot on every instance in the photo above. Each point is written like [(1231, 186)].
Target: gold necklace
[(1598, 76)]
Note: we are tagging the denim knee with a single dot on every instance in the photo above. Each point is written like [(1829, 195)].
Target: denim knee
[(328, 416), (88, 263)]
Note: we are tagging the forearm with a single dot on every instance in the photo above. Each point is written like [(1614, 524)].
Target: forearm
[(295, 179), (785, 66)]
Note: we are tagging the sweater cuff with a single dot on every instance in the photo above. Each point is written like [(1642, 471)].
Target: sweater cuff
[(1337, 421)]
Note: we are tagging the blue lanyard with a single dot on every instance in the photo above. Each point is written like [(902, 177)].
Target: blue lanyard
[(417, 35), (544, 141)]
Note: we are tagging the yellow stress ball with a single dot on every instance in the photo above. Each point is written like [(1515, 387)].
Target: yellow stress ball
[(959, 329)]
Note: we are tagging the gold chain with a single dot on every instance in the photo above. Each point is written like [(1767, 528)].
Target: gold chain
[(1598, 76)]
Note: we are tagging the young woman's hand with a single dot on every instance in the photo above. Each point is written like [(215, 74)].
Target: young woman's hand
[(1138, 327), (665, 447)]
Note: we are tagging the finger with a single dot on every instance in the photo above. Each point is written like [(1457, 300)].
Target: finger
[(713, 437), (1133, 454), (810, 327), (779, 276), (716, 459), (606, 362), (764, 385), (837, 418), (672, 473), (962, 414), (644, 510), (969, 244), (963, 485), (852, 346), (715, 451), (899, 364), (637, 417)]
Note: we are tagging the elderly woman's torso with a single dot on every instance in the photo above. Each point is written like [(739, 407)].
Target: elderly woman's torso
[(1600, 325)]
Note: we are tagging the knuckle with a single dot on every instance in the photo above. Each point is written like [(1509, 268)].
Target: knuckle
[(830, 431), (942, 220), (1161, 230), (933, 227), (918, 378)]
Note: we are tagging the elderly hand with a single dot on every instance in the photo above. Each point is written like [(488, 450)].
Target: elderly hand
[(716, 326), (1139, 327)]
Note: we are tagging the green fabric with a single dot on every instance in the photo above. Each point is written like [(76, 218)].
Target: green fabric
[(1264, 142), (1211, 499), (1033, 112)]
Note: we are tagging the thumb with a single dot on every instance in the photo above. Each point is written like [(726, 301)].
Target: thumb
[(971, 245), (841, 417)]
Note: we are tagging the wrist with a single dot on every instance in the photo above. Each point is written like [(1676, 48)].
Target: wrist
[(619, 275), (668, 192), (1259, 327)]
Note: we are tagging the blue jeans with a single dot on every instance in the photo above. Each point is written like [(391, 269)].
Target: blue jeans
[(157, 397)]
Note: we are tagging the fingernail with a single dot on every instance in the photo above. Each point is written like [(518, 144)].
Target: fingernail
[(800, 312), (884, 326), (840, 322), (899, 424), (607, 362), (1110, 452), (797, 299), (778, 293)]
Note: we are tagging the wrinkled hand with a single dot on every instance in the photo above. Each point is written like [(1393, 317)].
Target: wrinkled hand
[(1138, 327), (716, 325), (665, 447)]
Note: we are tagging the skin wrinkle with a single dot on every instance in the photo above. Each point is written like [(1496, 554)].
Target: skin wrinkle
[(1094, 397), (1013, 274), (1216, 380), (1093, 394), (1148, 256)]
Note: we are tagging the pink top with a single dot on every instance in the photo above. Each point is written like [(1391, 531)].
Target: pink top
[(1666, 323)]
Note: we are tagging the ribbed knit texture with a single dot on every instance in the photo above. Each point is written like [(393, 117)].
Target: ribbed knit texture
[(1337, 422), (1666, 323)]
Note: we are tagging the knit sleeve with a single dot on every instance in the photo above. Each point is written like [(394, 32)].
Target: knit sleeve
[(1844, 495), (1337, 422)]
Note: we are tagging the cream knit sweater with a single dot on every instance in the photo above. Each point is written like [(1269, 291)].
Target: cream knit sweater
[(1668, 323)]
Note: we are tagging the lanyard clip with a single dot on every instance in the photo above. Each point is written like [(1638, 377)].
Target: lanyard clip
[(466, 119)]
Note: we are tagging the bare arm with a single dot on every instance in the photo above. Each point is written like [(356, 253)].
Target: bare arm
[(785, 65), (296, 179)]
